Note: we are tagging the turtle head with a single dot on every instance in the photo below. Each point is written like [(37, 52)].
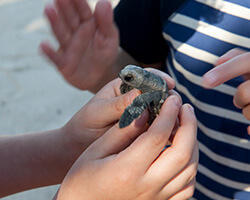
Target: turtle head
[(132, 75)]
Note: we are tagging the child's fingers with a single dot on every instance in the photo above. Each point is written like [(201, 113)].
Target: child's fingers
[(104, 18), (242, 95), (183, 149), (117, 82), (78, 47), (48, 50), (116, 139), (63, 12), (58, 27), (166, 77), (246, 112), (112, 104), (68, 11), (185, 193), (83, 9), (182, 179), (149, 145), (110, 109), (227, 71), (229, 55)]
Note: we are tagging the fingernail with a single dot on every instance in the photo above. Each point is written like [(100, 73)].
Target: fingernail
[(142, 120), (208, 80), (191, 108), (176, 101)]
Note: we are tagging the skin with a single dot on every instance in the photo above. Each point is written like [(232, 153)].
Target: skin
[(129, 163), (110, 171), (225, 70), (88, 55), (122, 59), (154, 92), (45, 158), (60, 19), (86, 39)]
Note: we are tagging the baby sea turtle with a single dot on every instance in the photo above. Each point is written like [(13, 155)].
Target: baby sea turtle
[(154, 92)]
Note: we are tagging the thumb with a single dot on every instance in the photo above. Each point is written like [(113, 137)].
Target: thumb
[(113, 108), (115, 139)]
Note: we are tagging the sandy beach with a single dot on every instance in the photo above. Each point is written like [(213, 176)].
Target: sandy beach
[(34, 97)]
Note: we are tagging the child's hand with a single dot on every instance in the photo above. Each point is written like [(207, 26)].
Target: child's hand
[(130, 163), (101, 113), (233, 64), (88, 42)]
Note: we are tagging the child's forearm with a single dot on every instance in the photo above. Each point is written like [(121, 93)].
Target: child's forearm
[(33, 160)]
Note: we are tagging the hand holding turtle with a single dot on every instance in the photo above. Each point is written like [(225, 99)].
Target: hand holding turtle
[(234, 63), (88, 42), (130, 163), (102, 112), (44, 158), (154, 92)]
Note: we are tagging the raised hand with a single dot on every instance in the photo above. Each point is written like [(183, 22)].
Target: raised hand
[(88, 41), (234, 63)]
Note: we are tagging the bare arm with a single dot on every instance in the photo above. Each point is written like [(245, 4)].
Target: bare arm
[(39, 159), (34, 160)]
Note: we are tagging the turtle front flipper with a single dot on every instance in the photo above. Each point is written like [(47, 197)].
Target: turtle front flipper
[(137, 107), (124, 88)]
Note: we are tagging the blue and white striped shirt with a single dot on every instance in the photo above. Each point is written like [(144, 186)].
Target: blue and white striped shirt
[(198, 33), (194, 37)]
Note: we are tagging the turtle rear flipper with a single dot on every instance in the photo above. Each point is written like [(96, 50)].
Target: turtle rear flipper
[(137, 107)]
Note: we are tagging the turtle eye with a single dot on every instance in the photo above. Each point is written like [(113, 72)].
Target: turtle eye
[(129, 78)]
